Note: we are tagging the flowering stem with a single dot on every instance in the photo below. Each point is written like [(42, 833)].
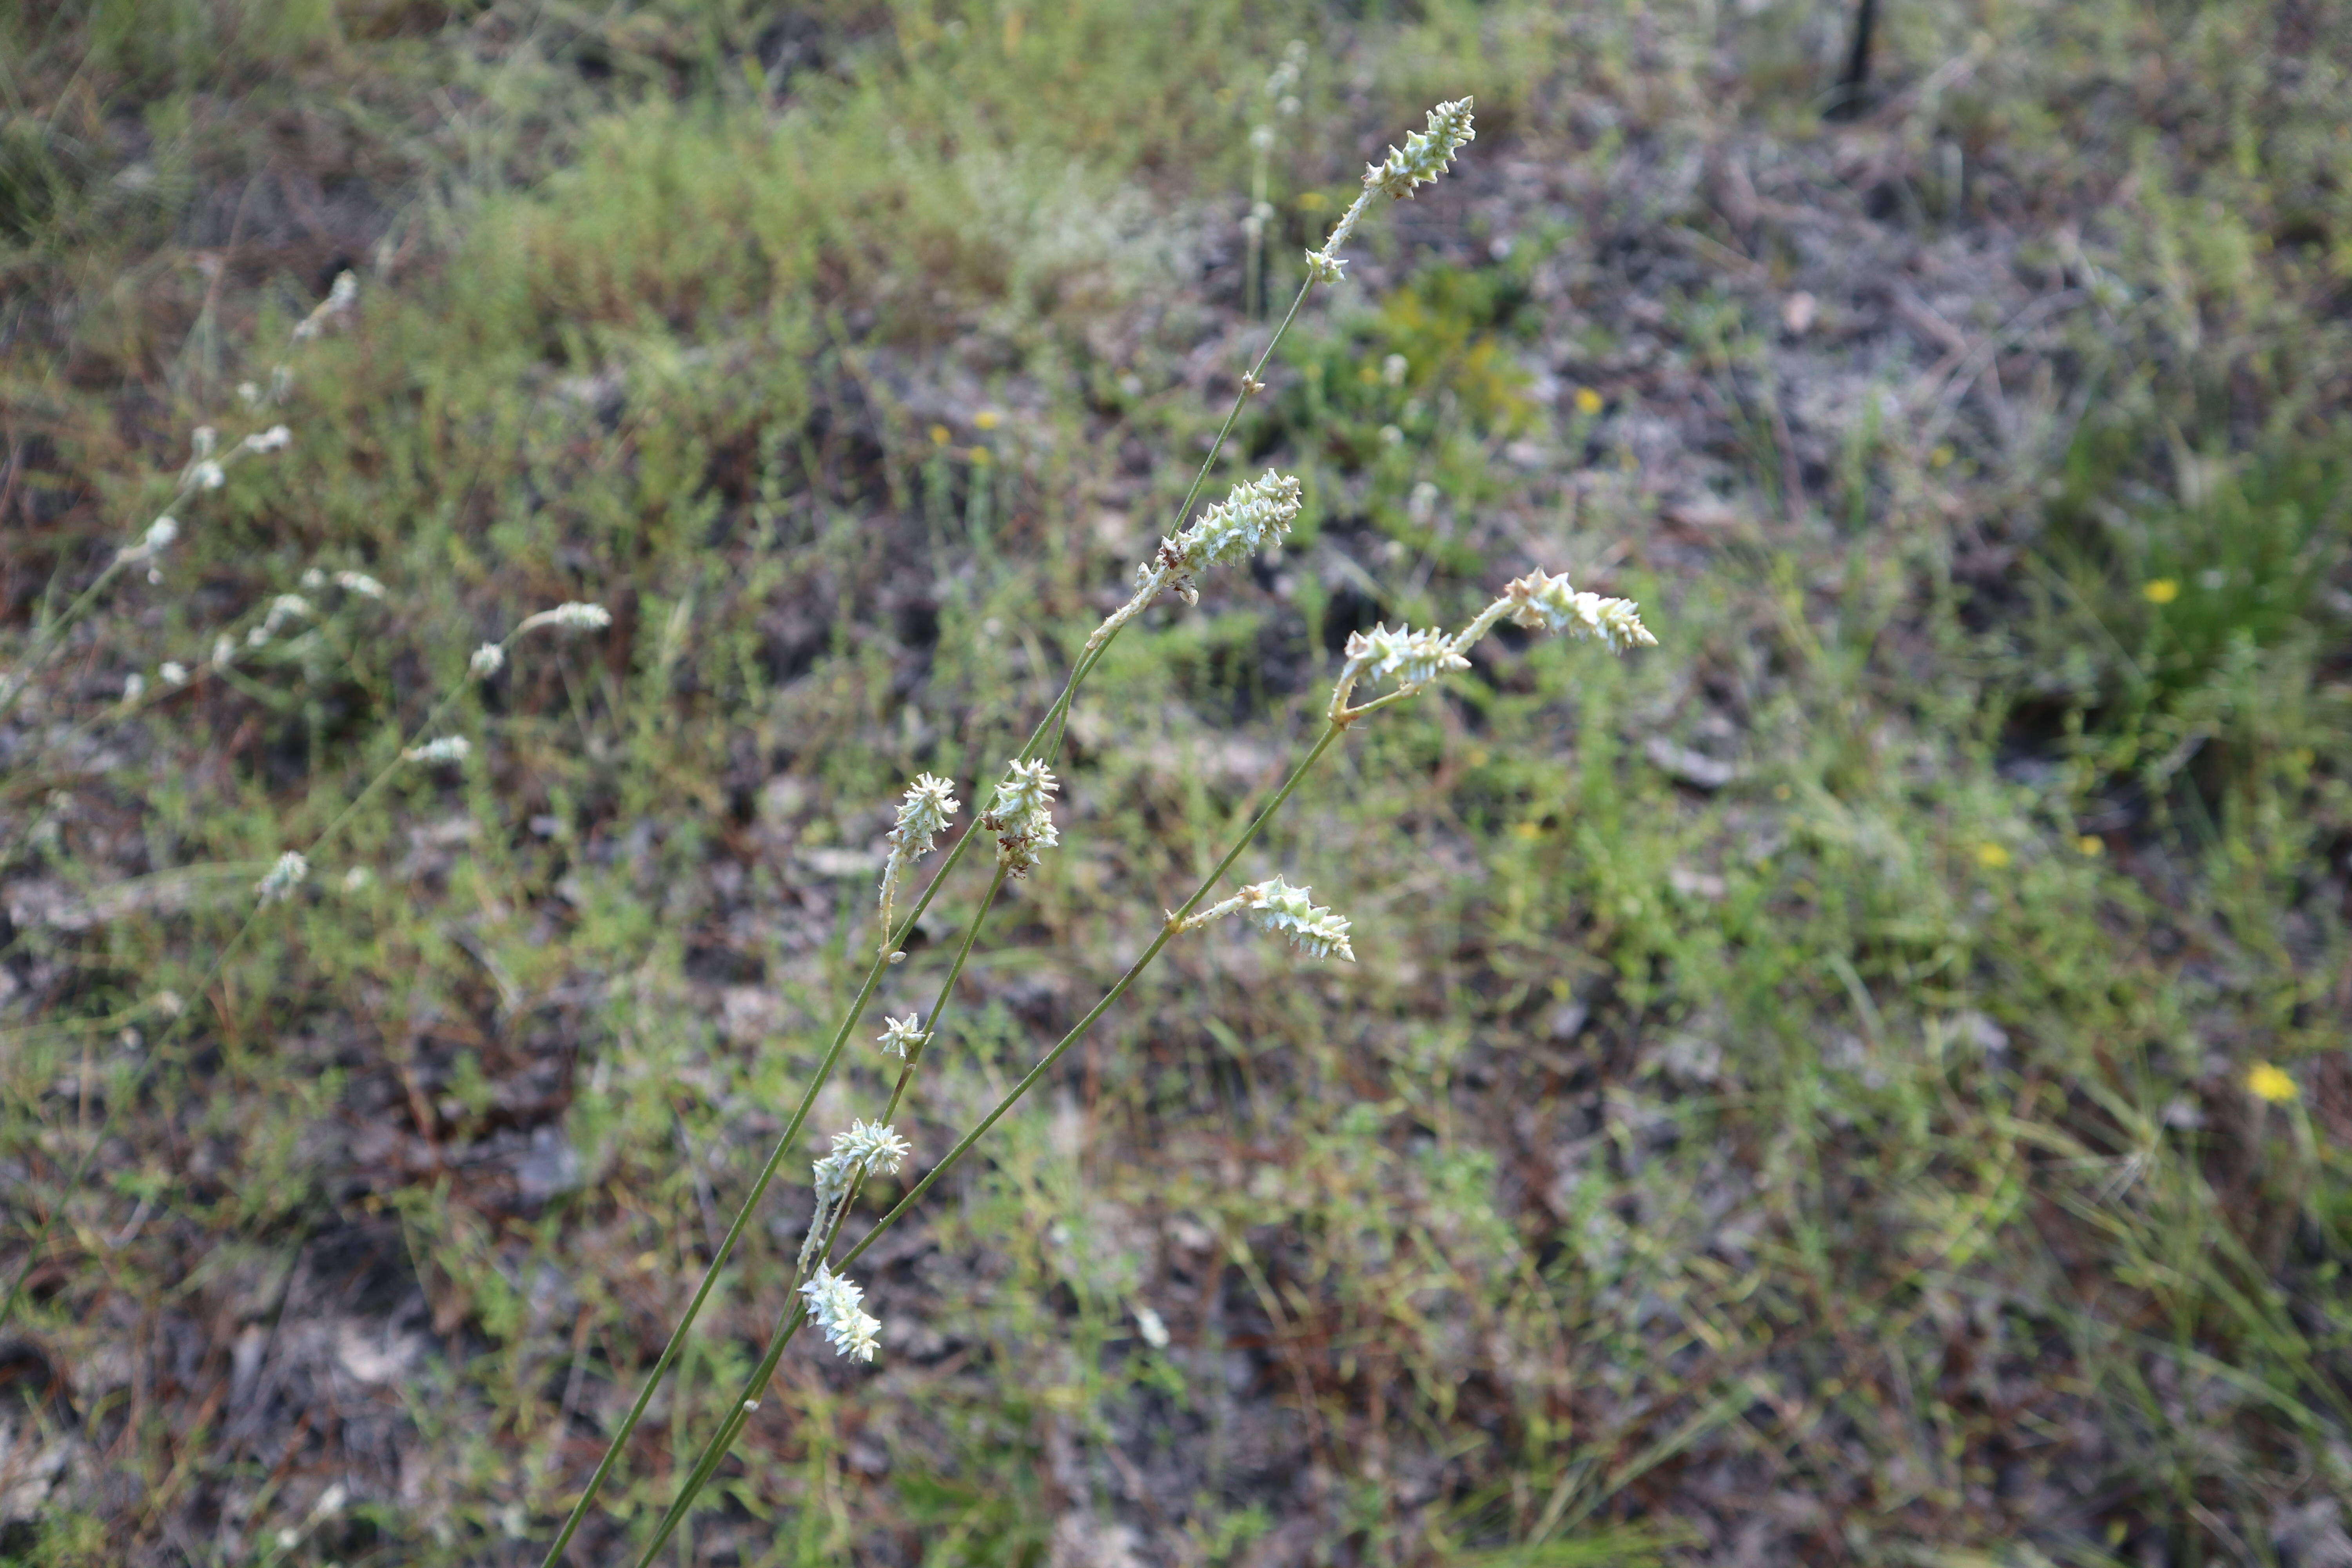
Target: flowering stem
[(775, 1160), (755, 1386), (1174, 922), (1251, 381), (796, 1313)]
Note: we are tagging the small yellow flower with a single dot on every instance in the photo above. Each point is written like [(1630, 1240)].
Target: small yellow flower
[(979, 456), (2264, 1081), (1311, 202), (2091, 844), (988, 419), (2160, 591), (1942, 458), (1527, 829), (939, 434), (1990, 856), (1588, 402)]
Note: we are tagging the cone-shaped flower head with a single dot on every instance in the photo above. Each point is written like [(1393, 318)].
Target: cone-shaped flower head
[(1426, 152), (1257, 513), (837, 1306), (1543, 602), (1411, 658), (1275, 906), (1021, 818)]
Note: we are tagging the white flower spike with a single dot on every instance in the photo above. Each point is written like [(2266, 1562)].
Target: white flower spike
[(929, 802), (1257, 514), (1275, 906), (1543, 602), (837, 1306), (866, 1147), (1411, 658), (1425, 157), (447, 749), (1427, 152), (1021, 818), (291, 871), (576, 615), (487, 660)]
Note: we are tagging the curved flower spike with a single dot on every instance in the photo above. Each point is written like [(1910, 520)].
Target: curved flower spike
[(1427, 152), (575, 615), (1544, 602), (1274, 905), (1257, 513)]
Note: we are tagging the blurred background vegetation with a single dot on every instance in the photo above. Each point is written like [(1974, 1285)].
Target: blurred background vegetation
[(1864, 1081)]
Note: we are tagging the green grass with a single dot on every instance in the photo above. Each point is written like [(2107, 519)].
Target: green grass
[(1853, 1161)]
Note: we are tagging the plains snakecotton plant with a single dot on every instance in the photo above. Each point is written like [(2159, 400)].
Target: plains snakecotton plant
[(1019, 822)]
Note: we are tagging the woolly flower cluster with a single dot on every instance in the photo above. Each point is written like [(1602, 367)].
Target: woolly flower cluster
[(1022, 816), (1427, 152), (291, 871), (1275, 906), (1425, 157), (1413, 658), (1545, 603), (866, 1148), (838, 1308), (153, 542), (574, 615), (447, 749), (902, 1035), (283, 609), (1257, 514), (929, 802)]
